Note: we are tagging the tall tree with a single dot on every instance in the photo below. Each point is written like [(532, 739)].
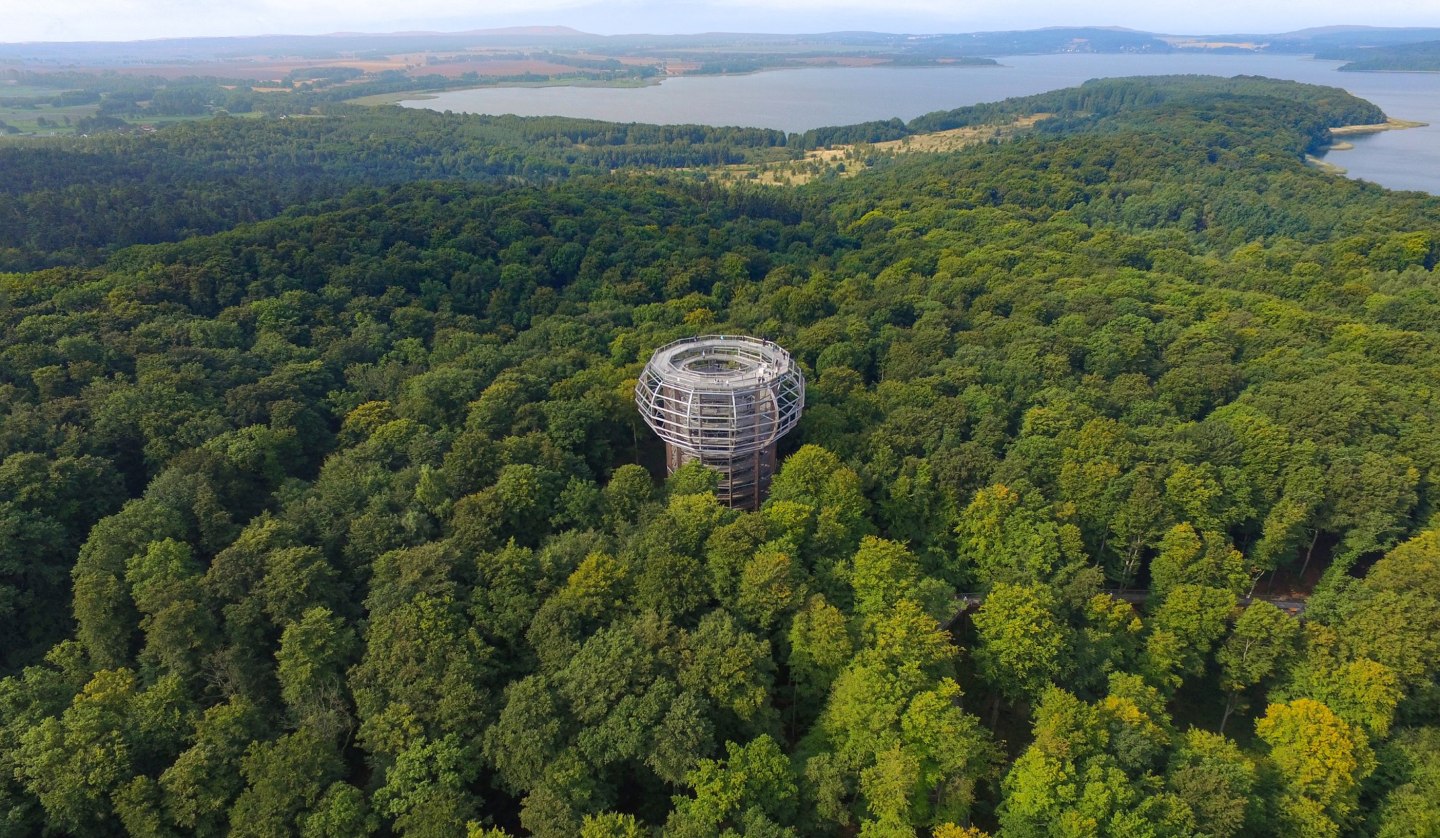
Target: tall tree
[(1021, 643), (1259, 647), (1322, 760)]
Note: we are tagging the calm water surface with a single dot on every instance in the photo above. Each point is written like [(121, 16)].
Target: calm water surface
[(797, 100)]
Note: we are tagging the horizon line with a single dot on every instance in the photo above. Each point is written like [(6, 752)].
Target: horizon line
[(566, 31)]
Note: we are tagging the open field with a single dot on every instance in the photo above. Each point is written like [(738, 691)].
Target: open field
[(850, 160), (262, 68), (44, 119), (487, 54), (498, 67), (259, 69), (8, 90), (956, 138)]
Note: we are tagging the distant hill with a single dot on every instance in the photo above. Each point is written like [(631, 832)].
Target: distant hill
[(1054, 40), (542, 31), (172, 49), (1330, 38), (201, 49), (1418, 57), (754, 47)]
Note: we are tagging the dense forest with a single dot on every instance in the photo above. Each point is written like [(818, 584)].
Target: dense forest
[(74, 200), (71, 200), (338, 519)]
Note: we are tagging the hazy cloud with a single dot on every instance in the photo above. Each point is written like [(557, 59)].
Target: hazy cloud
[(30, 20)]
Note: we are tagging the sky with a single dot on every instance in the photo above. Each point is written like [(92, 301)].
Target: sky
[(119, 20)]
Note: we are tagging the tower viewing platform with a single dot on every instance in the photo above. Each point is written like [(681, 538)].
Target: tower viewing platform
[(723, 400)]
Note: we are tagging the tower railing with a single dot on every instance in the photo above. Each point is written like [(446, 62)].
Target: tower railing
[(723, 400)]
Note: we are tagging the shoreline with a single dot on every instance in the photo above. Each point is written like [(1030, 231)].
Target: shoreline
[(1353, 131), (1325, 166), (421, 95), (1343, 70), (1375, 128), (412, 96)]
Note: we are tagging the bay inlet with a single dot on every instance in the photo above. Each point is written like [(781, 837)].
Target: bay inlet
[(798, 100)]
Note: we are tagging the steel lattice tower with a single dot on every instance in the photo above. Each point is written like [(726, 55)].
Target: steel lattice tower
[(723, 400)]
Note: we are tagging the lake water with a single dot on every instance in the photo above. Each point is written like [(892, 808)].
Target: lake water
[(797, 100)]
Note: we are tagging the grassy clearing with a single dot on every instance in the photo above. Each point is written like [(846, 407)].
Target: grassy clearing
[(45, 119), (8, 90), (390, 98), (850, 160)]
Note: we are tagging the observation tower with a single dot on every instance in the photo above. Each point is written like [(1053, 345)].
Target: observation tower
[(723, 400)]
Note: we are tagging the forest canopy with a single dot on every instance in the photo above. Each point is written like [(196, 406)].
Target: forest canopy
[(326, 509)]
